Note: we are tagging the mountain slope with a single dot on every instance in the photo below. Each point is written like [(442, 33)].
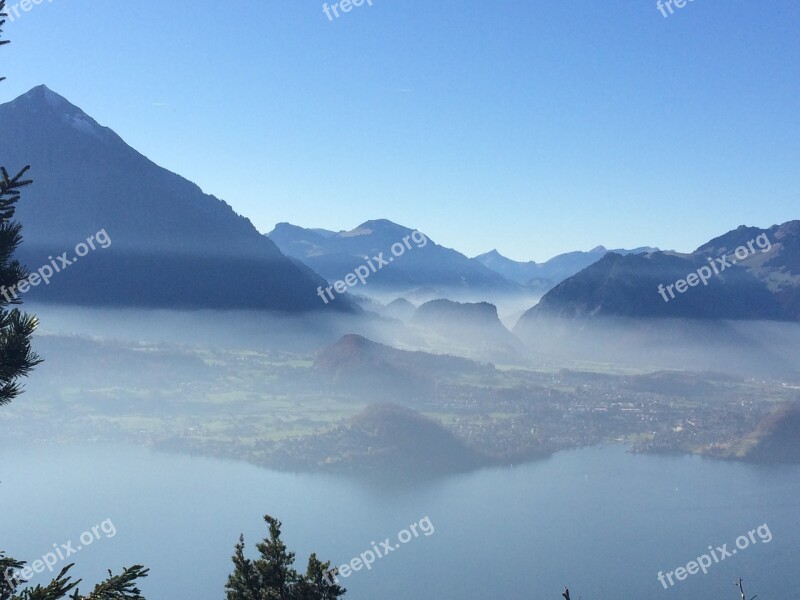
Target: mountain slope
[(374, 370), (778, 268), (467, 329), (425, 268), (172, 245), (764, 285), (775, 439), (382, 439)]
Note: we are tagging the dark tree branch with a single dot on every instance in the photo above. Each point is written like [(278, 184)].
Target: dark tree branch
[(739, 584)]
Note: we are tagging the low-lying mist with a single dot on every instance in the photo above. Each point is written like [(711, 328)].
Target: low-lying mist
[(740, 348)]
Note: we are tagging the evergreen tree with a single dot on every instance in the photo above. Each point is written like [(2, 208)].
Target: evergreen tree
[(273, 577), (16, 328), (116, 587), (315, 586)]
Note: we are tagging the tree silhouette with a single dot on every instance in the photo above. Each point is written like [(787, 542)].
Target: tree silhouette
[(272, 576), (16, 328)]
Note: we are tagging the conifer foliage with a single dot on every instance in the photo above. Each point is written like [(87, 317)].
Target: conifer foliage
[(16, 357), (272, 576)]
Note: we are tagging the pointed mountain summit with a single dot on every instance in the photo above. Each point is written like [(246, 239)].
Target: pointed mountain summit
[(521, 272), (171, 244), (42, 98)]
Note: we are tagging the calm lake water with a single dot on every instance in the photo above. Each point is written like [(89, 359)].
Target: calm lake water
[(599, 520)]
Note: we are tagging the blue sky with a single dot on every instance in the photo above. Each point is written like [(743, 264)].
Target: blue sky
[(534, 127)]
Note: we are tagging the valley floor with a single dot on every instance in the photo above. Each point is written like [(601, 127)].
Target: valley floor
[(277, 410)]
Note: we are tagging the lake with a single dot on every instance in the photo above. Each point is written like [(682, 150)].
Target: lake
[(600, 520)]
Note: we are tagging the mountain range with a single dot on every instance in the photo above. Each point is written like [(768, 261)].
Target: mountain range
[(425, 269), (431, 271), (746, 274), (173, 246), (542, 277)]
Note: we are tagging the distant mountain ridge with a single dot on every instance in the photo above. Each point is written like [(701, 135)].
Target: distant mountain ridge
[(545, 276), (763, 286), (172, 245), (426, 269)]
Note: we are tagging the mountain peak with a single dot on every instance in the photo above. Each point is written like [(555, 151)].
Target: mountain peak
[(41, 102), (284, 226), (379, 223), (43, 97), (375, 226)]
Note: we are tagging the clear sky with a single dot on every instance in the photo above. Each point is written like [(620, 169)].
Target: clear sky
[(531, 126)]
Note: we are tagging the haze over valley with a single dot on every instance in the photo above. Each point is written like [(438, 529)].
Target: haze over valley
[(301, 388)]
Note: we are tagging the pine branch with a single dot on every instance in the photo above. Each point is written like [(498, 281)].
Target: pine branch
[(8, 584), (17, 358), (3, 22), (55, 590), (118, 587), (10, 190)]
